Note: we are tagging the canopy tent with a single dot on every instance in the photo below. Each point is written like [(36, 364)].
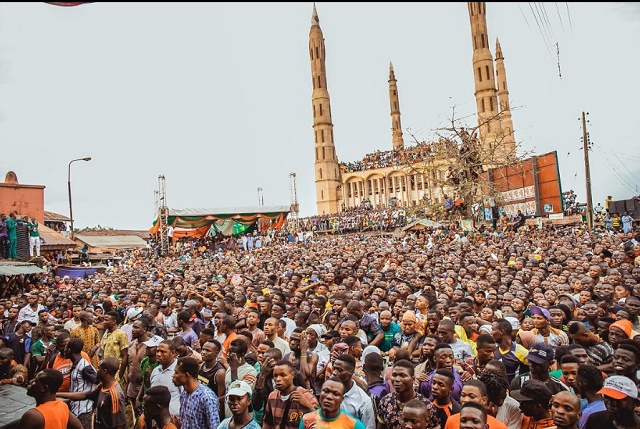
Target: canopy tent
[(422, 224), (230, 221)]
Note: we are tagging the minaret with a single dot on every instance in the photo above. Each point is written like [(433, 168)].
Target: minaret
[(394, 100), (503, 99), (328, 182), (486, 93)]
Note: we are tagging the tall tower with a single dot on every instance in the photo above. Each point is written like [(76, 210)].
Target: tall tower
[(394, 100), (328, 181), (503, 99), (484, 76)]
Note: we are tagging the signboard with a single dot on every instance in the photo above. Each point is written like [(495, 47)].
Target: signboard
[(531, 185)]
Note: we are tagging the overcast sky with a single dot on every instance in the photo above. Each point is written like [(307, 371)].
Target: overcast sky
[(217, 97)]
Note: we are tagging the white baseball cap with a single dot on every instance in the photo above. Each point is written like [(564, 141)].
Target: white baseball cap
[(619, 387), (153, 341), (239, 388)]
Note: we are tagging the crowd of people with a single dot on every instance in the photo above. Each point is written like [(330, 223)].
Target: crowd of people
[(441, 329)]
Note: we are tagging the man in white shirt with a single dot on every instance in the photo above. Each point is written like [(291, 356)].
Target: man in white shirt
[(356, 401), (30, 311), (162, 375)]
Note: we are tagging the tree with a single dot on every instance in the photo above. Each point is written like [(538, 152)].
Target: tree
[(459, 165)]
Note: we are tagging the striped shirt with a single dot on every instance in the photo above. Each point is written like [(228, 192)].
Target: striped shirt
[(274, 414), (79, 383)]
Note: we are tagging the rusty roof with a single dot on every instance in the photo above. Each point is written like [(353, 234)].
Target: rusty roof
[(112, 241), (116, 232), (54, 239), (55, 217)]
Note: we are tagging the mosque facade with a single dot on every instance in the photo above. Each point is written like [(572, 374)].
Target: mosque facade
[(407, 176)]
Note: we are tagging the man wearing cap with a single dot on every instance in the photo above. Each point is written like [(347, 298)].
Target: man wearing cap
[(545, 333), (620, 397), (534, 397), (239, 399), (540, 357)]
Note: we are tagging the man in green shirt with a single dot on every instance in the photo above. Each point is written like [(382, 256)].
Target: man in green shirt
[(13, 236), (34, 236)]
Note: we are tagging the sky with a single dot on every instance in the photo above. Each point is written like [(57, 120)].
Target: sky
[(217, 96)]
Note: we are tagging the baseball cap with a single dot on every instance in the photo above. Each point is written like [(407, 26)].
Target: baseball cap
[(532, 390), (619, 387), (331, 334), (541, 311), (239, 388), (153, 341), (540, 353), (133, 313), (515, 323)]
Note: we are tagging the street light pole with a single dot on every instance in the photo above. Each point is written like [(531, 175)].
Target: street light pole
[(88, 158)]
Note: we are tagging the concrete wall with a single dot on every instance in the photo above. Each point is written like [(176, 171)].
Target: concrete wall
[(22, 199)]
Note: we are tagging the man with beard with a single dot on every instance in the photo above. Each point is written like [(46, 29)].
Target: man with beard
[(389, 328), (49, 413), (330, 413)]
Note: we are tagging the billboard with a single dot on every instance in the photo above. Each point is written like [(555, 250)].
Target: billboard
[(531, 185)]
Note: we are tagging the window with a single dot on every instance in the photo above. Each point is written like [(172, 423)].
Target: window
[(482, 104), (321, 194), (319, 82), (317, 53), (316, 154), (482, 40), (323, 155), (314, 110), (486, 69), (480, 74), (395, 92), (321, 173), (395, 105), (321, 111), (491, 104), (322, 140)]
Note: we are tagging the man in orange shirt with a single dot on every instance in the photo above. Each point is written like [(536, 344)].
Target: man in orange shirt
[(49, 412), (475, 391)]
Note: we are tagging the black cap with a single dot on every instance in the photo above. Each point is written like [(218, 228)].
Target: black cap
[(532, 390), (331, 334)]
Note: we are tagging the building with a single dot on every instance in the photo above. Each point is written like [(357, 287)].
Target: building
[(407, 176), (23, 199)]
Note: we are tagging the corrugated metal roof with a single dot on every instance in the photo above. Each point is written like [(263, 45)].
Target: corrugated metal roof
[(53, 238), (16, 268), (55, 217), (113, 242), (228, 211)]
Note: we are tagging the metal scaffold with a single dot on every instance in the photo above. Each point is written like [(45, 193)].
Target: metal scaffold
[(163, 216)]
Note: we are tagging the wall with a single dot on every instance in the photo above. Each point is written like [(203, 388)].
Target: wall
[(23, 199)]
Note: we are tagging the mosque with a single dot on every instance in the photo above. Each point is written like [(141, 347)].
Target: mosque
[(390, 178)]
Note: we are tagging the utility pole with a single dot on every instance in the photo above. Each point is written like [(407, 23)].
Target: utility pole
[(587, 171)]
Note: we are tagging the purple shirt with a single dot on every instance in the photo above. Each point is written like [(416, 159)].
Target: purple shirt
[(425, 386)]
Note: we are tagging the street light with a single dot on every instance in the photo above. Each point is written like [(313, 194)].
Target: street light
[(88, 158)]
